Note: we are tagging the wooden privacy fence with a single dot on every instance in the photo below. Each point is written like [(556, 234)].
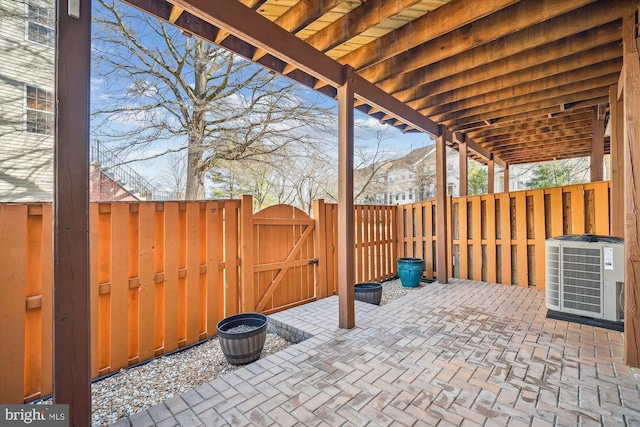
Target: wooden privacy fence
[(163, 275), (501, 237)]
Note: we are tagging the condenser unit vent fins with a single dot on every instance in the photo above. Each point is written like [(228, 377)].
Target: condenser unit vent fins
[(582, 279), (553, 276)]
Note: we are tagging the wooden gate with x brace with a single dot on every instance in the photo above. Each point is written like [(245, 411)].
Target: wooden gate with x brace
[(277, 258)]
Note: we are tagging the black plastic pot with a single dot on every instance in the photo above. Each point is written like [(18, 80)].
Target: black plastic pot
[(370, 292), (244, 346)]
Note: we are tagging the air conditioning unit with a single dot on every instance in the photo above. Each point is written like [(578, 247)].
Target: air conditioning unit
[(585, 276)]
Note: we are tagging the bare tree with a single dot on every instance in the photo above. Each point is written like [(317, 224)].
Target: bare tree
[(370, 162), (176, 93), (173, 178)]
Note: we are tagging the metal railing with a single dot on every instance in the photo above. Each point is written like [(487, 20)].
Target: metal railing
[(117, 169)]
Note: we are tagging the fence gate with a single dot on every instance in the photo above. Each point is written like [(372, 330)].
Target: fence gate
[(278, 259)]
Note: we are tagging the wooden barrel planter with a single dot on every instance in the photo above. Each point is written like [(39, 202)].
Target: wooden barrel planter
[(370, 292), (410, 271), (242, 337)]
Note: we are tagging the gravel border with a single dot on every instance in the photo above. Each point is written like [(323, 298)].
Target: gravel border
[(134, 389), (393, 289)]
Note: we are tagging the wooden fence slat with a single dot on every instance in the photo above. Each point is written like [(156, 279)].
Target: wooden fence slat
[(419, 239), (13, 248), (577, 209), (159, 279), (33, 289), (521, 238), (46, 364), (133, 283), (171, 291), (505, 243), (193, 272), (556, 216), (477, 237), (463, 238), (359, 249), (367, 237), (215, 290), (182, 274), (231, 240), (104, 277), (119, 296), (539, 238), (375, 226), (94, 297), (490, 213), (428, 238), (602, 212), (146, 277), (248, 228), (319, 214)]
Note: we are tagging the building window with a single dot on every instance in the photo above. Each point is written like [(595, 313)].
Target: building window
[(39, 111), (40, 24)]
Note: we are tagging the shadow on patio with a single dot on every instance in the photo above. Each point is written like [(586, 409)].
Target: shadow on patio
[(468, 353)]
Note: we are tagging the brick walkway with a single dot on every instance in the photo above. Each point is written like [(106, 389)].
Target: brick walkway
[(463, 354)]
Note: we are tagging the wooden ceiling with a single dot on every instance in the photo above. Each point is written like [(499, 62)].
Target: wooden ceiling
[(522, 80)]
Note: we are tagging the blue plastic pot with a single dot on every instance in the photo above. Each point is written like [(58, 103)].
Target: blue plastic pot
[(410, 271)]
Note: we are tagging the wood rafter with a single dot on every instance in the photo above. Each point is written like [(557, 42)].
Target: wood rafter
[(528, 101), (367, 15), (506, 23), (504, 87), (430, 26), (304, 13), (523, 112)]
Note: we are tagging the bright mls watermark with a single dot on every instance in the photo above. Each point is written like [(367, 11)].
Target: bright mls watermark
[(34, 415)]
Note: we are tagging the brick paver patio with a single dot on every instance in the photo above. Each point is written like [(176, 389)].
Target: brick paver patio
[(463, 354)]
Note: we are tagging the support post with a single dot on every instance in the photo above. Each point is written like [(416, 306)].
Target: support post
[(631, 102), (616, 119), (247, 291), (464, 169), (491, 178), (346, 232), (442, 257), (597, 147), (71, 306)]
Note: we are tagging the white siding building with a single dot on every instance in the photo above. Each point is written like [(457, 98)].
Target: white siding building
[(408, 179), (27, 52)]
